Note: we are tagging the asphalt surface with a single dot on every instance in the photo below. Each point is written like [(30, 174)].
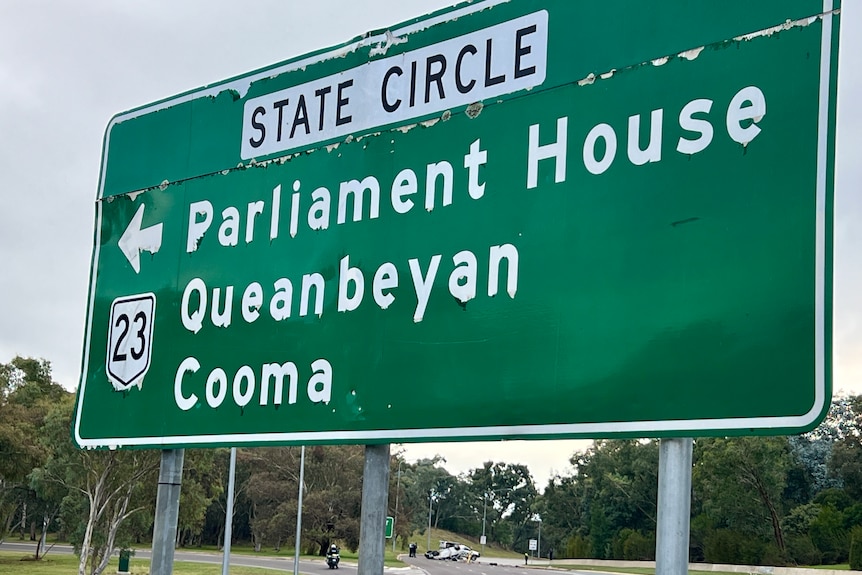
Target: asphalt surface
[(483, 566), (417, 565)]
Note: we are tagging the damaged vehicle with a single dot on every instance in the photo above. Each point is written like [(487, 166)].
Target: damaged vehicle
[(453, 551)]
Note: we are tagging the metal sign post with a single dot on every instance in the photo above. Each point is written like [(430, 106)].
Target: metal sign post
[(228, 521), (167, 511), (375, 496), (674, 506), (298, 547)]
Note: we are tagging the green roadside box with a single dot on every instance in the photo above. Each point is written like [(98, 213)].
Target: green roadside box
[(125, 554)]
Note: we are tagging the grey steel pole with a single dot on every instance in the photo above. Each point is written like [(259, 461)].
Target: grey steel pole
[(539, 543), (430, 501), (674, 506), (395, 519), (167, 511), (299, 510), (484, 514), (375, 496), (228, 520)]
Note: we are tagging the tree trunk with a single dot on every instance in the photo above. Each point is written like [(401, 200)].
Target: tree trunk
[(23, 519), (109, 543), (773, 515), (95, 496), (88, 537), (46, 520)]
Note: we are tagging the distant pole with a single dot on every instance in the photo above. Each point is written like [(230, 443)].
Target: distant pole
[(395, 519), (674, 506), (375, 496), (299, 510), (430, 500), (228, 521), (484, 514), (167, 511), (539, 544)]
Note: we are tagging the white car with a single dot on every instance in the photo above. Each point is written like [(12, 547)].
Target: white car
[(452, 551)]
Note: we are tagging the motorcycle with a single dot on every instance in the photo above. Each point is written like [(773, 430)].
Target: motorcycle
[(332, 560)]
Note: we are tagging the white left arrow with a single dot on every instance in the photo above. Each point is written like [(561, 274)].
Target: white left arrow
[(137, 239)]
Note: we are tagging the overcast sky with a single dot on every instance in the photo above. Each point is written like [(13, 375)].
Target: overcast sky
[(67, 67)]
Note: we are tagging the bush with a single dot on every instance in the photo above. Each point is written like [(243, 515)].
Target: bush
[(830, 537), (856, 549), (802, 551), (578, 547), (726, 546), (772, 555), (619, 541), (638, 547)]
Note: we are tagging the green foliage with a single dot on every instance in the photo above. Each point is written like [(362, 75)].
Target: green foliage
[(331, 500), (503, 490), (728, 546), (563, 511), (613, 488), (202, 484), (578, 547), (770, 554), (845, 463), (601, 534), (27, 396), (798, 521), (856, 549), (836, 498), (742, 480), (802, 551), (104, 488), (852, 515), (830, 536), (634, 546), (767, 500)]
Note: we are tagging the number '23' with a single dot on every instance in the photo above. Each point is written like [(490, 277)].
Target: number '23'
[(140, 327)]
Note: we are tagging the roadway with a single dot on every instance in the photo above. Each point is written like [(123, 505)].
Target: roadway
[(483, 566), (417, 566)]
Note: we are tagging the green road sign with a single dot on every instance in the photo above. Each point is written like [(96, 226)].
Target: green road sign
[(504, 220), (390, 527)]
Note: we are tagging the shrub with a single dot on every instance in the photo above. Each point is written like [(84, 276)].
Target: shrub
[(638, 547), (856, 549), (829, 535), (802, 551), (726, 546), (578, 547)]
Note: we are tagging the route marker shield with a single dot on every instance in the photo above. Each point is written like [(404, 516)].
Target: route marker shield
[(130, 337)]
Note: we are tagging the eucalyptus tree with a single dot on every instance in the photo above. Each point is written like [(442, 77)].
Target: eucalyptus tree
[(105, 488), (27, 394)]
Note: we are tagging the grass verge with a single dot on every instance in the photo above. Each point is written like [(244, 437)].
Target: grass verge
[(633, 570), (55, 564)]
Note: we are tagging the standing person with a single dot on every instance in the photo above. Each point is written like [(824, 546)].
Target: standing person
[(526, 557), (551, 554)]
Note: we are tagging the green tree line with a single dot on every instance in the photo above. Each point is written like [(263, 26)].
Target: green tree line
[(755, 500)]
